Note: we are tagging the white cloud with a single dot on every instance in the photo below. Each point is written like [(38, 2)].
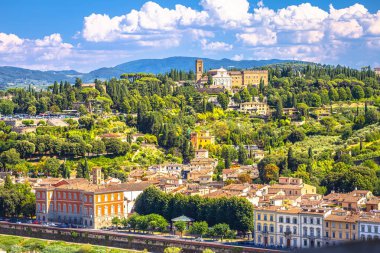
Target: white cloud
[(258, 36), (374, 24), (238, 57), (226, 12), (260, 4), (197, 34), (215, 46), (10, 43), (350, 29)]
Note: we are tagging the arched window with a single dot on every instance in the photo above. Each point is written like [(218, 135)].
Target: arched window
[(294, 230)]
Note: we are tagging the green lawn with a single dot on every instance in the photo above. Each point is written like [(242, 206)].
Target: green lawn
[(16, 244)]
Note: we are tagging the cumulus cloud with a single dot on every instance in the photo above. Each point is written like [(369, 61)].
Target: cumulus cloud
[(215, 46), (10, 43), (258, 36), (226, 12)]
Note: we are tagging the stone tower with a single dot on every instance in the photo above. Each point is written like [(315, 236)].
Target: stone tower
[(96, 176), (198, 69)]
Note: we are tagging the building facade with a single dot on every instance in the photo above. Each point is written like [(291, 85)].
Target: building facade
[(340, 226), (198, 70), (312, 227), (201, 139)]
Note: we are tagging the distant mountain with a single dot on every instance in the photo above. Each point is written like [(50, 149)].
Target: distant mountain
[(12, 76), (156, 66)]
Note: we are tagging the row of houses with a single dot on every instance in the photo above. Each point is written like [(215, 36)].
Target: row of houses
[(316, 221)]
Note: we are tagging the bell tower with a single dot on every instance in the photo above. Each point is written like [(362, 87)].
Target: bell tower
[(198, 69)]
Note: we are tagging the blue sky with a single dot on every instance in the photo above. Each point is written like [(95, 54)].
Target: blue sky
[(88, 34)]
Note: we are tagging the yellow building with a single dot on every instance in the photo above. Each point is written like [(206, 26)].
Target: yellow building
[(265, 225), (248, 77), (340, 226), (201, 139)]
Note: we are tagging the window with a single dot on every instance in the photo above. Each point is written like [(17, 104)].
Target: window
[(64, 208), (59, 195), (281, 229), (259, 239), (90, 199), (318, 232), (327, 224), (333, 234), (59, 207), (318, 221), (311, 221), (369, 227), (281, 219), (353, 226), (305, 243), (259, 217), (85, 198), (75, 209), (312, 231), (305, 220), (294, 242), (112, 209), (271, 228), (64, 195), (118, 209), (259, 227), (347, 226), (271, 218), (69, 195), (265, 217), (99, 211), (287, 220), (333, 224), (271, 240), (105, 198), (112, 197), (376, 229), (99, 198), (340, 235), (340, 225), (327, 234), (265, 228), (70, 208), (38, 195), (118, 196), (294, 220), (75, 196), (362, 228), (347, 235), (294, 230), (304, 231)]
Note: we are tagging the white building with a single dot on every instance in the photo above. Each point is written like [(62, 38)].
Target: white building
[(221, 79), (369, 226), (288, 227), (312, 227)]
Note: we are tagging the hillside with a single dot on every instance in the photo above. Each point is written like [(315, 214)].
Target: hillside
[(12, 76)]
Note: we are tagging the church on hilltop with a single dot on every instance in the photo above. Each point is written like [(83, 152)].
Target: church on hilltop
[(228, 80)]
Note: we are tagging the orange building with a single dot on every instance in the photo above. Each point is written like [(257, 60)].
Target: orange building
[(248, 77), (79, 202), (340, 226)]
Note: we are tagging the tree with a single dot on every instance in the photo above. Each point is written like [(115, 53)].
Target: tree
[(157, 222), (270, 173), (279, 108), (180, 226), (242, 155), (244, 178), (98, 147), (25, 148), (6, 107), (371, 117), (90, 94), (116, 221), (65, 171), (296, 136), (131, 222), (9, 158), (228, 154), (51, 167), (208, 251), (32, 110), (358, 92), (221, 230), (329, 123), (199, 228), (223, 100), (172, 250), (86, 122)]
